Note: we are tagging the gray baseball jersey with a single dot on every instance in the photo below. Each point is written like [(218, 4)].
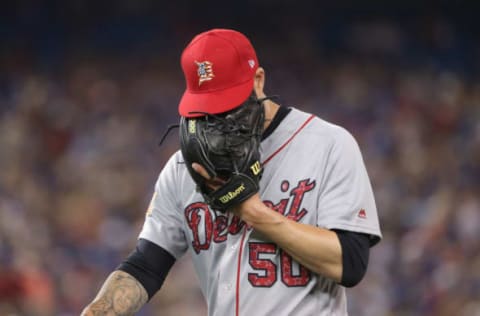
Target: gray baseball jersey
[(313, 174)]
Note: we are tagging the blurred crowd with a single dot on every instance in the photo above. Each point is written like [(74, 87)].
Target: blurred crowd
[(79, 158)]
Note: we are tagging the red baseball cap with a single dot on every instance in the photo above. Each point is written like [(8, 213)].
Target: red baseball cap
[(219, 67)]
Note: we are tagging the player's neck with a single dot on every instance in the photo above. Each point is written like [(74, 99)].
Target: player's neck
[(271, 109)]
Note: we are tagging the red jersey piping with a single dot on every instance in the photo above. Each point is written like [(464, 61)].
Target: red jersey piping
[(237, 290), (288, 140)]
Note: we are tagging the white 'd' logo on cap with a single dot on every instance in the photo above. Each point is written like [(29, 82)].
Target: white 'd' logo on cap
[(251, 63), (204, 72)]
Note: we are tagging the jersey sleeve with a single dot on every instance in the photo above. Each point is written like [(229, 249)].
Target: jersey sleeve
[(163, 221), (346, 200)]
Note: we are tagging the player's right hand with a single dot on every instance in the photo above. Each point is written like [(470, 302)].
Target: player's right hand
[(214, 183)]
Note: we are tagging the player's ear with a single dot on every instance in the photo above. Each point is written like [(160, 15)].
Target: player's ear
[(259, 82)]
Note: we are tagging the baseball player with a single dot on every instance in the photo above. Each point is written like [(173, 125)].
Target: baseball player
[(281, 229)]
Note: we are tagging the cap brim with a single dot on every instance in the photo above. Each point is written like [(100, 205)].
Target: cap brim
[(214, 102)]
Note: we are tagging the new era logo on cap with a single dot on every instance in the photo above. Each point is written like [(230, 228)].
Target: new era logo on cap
[(219, 67)]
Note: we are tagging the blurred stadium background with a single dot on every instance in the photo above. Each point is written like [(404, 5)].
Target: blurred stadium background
[(88, 87)]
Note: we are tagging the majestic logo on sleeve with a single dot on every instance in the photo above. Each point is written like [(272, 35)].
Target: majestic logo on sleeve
[(362, 214), (207, 226), (204, 71)]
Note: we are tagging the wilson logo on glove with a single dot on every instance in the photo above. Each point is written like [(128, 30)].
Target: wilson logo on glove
[(256, 168), (232, 194)]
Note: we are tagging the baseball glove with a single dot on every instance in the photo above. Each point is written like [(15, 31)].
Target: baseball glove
[(227, 146)]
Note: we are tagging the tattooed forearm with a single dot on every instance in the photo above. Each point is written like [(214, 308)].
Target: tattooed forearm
[(121, 295)]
